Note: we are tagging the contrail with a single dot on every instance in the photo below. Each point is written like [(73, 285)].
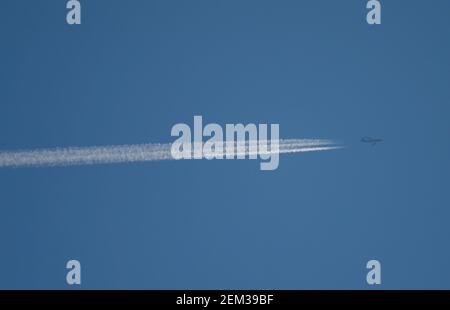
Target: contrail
[(72, 156)]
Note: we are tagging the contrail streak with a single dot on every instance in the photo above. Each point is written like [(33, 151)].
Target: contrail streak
[(72, 156)]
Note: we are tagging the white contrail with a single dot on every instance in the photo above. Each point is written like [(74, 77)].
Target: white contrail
[(140, 153)]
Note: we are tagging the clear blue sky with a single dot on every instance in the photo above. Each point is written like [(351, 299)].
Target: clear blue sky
[(135, 68)]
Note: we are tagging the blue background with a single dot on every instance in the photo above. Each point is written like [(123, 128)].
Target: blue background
[(133, 69)]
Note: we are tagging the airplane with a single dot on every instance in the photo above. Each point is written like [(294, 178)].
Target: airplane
[(371, 140)]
